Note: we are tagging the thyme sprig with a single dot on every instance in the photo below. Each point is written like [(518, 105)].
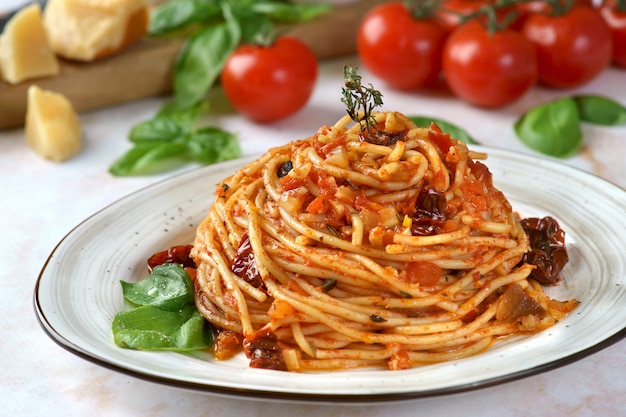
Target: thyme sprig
[(357, 97)]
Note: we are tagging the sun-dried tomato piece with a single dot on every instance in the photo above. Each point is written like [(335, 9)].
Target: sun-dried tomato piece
[(548, 251), (382, 138), (227, 344), (175, 255), (244, 265), (264, 352), (516, 303), (429, 217)]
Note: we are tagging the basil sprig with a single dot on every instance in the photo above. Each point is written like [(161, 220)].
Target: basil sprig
[(171, 140), (554, 129), (213, 30), (164, 316), (179, 15), (175, 15), (200, 61)]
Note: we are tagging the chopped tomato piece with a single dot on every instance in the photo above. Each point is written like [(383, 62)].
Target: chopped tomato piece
[(481, 172), (328, 186), (423, 273), (280, 309), (399, 358), (442, 140), (318, 205), (288, 183), (361, 202), (439, 180)]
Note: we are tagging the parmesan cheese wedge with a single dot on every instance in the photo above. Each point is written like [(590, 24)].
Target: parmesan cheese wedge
[(24, 49), (52, 128), (86, 30)]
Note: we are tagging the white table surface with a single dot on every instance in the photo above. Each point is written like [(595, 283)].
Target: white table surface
[(41, 201)]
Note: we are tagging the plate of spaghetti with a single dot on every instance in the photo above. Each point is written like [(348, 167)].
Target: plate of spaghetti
[(358, 266)]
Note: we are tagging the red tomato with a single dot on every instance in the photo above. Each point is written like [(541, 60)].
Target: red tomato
[(267, 83), (403, 51), (571, 48), (615, 18), (488, 70), (526, 8), (451, 12)]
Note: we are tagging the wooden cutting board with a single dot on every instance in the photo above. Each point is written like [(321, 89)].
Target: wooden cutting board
[(145, 69)]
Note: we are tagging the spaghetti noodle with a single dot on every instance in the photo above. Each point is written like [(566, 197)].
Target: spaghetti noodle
[(339, 251)]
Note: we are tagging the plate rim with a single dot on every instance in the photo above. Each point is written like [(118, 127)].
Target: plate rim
[(353, 399), (300, 397)]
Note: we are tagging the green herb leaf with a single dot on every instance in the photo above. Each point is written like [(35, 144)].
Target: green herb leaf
[(157, 129), (355, 96), (284, 12), (210, 145), (552, 128), (600, 110), (201, 60), (174, 15), (166, 317), (329, 284), (453, 130), (186, 116), (150, 328), (257, 29), (168, 287), (150, 158), (377, 319)]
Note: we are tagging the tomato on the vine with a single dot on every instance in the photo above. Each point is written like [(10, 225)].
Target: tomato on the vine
[(400, 48), (614, 14), (488, 70), (572, 47), (526, 8), (268, 83), (452, 12)]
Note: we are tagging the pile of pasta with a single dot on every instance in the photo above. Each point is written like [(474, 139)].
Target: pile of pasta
[(354, 248)]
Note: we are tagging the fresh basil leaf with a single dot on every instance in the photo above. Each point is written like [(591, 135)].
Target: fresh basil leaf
[(176, 14), (600, 110), (552, 128), (201, 60), (150, 158), (453, 130), (210, 145), (157, 129), (284, 12), (150, 328), (168, 287), (256, 29), (184, 115)]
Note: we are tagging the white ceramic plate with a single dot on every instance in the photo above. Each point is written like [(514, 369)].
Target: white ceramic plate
[(78, 290)]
